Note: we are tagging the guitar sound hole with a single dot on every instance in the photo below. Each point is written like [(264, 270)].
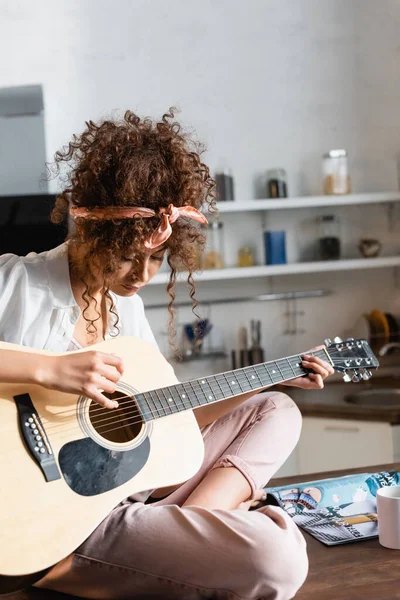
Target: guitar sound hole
[(120, 425)]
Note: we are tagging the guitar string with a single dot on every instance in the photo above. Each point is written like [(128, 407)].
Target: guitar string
[(159, 412), (140, 420), (243, 372), (195, 385), (123, 426), (70, 411)]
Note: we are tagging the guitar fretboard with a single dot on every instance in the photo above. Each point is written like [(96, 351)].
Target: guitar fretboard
[(206, 390)]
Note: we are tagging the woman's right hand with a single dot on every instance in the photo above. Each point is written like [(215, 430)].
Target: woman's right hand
[(86, 373)]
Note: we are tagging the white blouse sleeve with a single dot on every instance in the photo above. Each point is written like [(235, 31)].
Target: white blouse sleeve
[(13, 284)]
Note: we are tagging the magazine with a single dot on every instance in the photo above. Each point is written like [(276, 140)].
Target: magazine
[(337, 510)]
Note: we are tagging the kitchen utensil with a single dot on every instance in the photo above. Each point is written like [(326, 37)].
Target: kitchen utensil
[(256, 352), (244, 353), (380, 326), (369, 247), (394, 332)]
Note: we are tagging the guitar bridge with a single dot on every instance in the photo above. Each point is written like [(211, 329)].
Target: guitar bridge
[(35, 437)]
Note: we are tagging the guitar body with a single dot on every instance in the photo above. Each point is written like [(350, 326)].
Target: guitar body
[(90, 462)]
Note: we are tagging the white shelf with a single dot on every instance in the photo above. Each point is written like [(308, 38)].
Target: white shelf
[(307, 202), (288, 269)]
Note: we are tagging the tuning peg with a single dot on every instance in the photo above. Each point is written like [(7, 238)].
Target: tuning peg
[(346, 378), (337, 340), (328, 342), (356, 377), (366, 374)]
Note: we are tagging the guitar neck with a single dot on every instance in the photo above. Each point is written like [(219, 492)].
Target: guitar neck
[(215, 388)]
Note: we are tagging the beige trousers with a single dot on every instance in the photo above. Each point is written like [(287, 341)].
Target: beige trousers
[(164, 551)]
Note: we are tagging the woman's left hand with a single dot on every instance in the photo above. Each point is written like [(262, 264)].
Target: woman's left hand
[(312, 381)]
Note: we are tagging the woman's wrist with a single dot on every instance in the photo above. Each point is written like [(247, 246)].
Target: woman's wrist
[(39, 369)]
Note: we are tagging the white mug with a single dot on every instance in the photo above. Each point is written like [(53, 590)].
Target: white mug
[(388, 508)]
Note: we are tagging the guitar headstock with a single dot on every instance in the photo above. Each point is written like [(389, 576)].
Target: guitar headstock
[(353, 358)]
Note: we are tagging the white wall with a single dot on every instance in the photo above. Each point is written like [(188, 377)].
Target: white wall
[(264, 83)]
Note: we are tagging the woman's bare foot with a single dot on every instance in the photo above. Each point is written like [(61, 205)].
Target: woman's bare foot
[(260, 496)]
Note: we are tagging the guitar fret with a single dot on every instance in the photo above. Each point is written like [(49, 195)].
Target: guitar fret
[(239, 375), (151, 413), (221, 392), (232, 383), (253, 377), (188, 392), (223, 384), (193, 394), (264, 375), (155, 409), (272, 370), (183, 395), (244, 382), (215, 389), (164, 400), (176, 397), (171, 400), (291, 368), (143, 406), (248, 381), (161, 407), (199, 392), (208, 392)]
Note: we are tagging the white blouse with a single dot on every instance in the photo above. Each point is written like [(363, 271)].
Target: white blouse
[(38, 308)]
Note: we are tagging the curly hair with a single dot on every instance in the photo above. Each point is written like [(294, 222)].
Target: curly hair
[(133, 162)]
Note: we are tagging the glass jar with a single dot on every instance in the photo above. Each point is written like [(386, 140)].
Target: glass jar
[(245, 257), (276, 183), (329, 238), (214, 251), (336, 172)]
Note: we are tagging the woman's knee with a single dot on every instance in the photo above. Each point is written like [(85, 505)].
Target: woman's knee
[(284, 409)]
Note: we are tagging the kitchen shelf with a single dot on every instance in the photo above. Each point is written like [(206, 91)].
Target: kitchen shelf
[(347, 264), (307, 202)]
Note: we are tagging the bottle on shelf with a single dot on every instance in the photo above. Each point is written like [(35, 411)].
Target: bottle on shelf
[(213, 257), (245, 257), (224, 185), (335, 172), (277, 183), (329, 246)]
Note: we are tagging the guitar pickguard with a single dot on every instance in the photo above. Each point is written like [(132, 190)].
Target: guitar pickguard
[(90, 469)]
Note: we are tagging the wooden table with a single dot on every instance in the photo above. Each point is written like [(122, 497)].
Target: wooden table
[(360, 570)]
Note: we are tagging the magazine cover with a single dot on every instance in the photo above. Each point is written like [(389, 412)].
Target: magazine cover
[(335, 511)]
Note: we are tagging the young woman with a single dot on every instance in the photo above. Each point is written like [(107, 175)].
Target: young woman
[(134, 190)]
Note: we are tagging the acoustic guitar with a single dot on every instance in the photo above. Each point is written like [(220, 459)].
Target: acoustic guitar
[(66, 462)]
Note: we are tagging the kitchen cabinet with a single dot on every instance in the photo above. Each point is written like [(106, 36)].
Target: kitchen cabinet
[(329, 444)]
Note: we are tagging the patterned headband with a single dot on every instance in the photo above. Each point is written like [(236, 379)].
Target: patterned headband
[(159, 235)]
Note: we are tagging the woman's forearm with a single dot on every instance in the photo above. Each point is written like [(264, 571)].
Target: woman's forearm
[(21, 367)]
